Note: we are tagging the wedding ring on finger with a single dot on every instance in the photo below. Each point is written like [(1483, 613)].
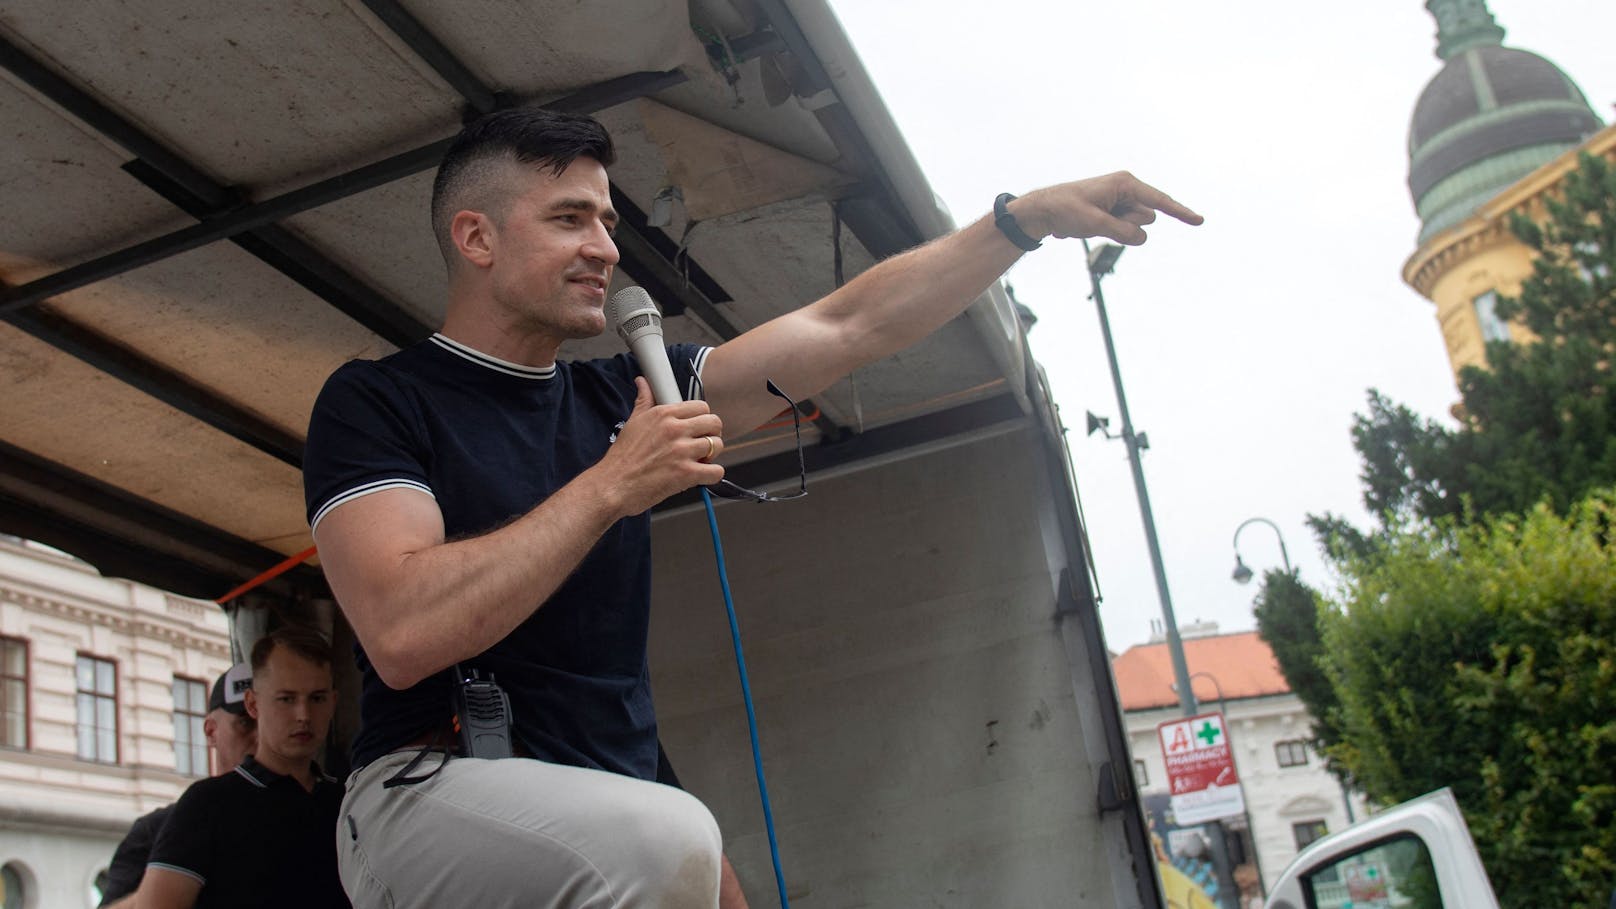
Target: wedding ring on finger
[(712, 449)]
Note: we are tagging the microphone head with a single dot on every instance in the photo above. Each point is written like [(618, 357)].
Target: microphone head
[(634, 314)]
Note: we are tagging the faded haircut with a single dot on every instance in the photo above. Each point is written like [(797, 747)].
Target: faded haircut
[(302, 640), (477, 161)]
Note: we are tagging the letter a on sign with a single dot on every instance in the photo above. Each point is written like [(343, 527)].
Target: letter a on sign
[(1181, 739)]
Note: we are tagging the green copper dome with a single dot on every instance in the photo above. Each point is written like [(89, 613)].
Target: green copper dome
[(1490, 117)]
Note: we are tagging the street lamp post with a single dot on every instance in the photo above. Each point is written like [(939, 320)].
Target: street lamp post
[(1251, 830), (1242, 574), (1101, 260), (1216, 687)]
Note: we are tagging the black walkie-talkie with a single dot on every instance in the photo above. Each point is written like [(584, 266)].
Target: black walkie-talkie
[(483, 713)]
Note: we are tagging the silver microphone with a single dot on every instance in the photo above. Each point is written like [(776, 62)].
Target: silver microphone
[(639, 324)]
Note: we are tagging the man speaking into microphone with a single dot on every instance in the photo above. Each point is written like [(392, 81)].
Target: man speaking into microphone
[(482, 513)]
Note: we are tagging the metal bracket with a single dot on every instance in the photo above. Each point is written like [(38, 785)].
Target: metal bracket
[(1115, 793), (1068, 600)]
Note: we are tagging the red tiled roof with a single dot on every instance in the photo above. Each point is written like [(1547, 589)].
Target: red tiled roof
[(1242, 664)]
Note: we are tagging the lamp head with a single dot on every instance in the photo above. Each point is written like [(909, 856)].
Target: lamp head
[(1103, 258), (1097, 424), (1242, 574)]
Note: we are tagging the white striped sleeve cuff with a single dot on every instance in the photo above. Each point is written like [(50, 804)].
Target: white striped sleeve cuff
[(178, 870), (362, 490)]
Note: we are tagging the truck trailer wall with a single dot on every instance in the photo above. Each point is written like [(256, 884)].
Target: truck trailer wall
[(922, 732)]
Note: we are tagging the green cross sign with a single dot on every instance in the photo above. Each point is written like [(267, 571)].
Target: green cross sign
[(1209, 732)]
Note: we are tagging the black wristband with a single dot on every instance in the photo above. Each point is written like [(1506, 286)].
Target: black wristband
[(1007, 225)]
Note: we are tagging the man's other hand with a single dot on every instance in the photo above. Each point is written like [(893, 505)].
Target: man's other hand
[(663, 449)]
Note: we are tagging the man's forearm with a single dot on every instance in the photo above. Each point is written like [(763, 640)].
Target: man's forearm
[(901, 300), (447, 601)]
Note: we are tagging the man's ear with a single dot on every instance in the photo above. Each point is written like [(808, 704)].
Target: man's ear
[(209, 726), (474, 236), (250, 699)]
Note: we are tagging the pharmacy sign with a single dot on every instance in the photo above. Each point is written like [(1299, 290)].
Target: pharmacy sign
[(1200, 769)]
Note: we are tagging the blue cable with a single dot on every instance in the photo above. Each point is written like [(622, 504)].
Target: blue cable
[(746, 695)]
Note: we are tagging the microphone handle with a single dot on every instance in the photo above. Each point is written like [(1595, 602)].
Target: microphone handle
[(654, 366)]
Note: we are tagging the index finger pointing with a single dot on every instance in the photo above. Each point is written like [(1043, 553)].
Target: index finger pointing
[(1162, 202)]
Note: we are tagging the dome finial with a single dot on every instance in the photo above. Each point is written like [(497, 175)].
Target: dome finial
[(1462, 25)]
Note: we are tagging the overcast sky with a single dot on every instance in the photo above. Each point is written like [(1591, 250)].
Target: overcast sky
[(1246, 345)]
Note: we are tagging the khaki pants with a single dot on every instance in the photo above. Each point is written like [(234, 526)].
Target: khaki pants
[(525, 833)]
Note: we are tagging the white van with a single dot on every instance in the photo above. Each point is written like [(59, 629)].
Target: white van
[(1417, 855)]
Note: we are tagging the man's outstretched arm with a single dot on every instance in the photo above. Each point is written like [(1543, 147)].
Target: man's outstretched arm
[(907, 297)]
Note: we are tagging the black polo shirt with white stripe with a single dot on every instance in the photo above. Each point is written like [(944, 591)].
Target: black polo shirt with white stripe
[(255, 838), (489, 440)]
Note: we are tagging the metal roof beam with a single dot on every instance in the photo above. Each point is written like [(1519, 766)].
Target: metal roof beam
[(160, 382), (427, 46), (286, 253), (224, 226), (127, 536), (648, 257), (873, 222), (954, 424), (104, 121), (342, 186), (177, 180)]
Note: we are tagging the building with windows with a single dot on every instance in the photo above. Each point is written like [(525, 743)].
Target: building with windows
[(1493, 133), (1291, 799), (103, 686)]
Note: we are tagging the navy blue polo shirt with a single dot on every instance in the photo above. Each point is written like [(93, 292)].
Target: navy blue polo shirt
[(490, 440), (254, 838)]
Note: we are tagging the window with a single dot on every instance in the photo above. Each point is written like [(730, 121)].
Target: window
[(1291, 753), (1492, 327), (1141, 778), (1308, 831), (1397, 872), (190, 708), (13, 693), (98, 709)]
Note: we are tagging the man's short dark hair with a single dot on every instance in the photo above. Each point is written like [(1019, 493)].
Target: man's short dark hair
[(525, 135), (302, 640)]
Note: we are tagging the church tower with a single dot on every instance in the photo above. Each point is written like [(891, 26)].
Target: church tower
[(1491, 131)]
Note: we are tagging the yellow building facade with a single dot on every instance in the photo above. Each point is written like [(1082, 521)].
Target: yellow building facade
[(1464, 268), (1494, 132)]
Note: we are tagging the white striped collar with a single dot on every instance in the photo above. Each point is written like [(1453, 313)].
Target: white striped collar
[(486, 361), (248, 776), (253, 772)]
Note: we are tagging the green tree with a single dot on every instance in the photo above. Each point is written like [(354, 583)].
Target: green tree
[(1288, 620), (1540, 421), (1483, 657)]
